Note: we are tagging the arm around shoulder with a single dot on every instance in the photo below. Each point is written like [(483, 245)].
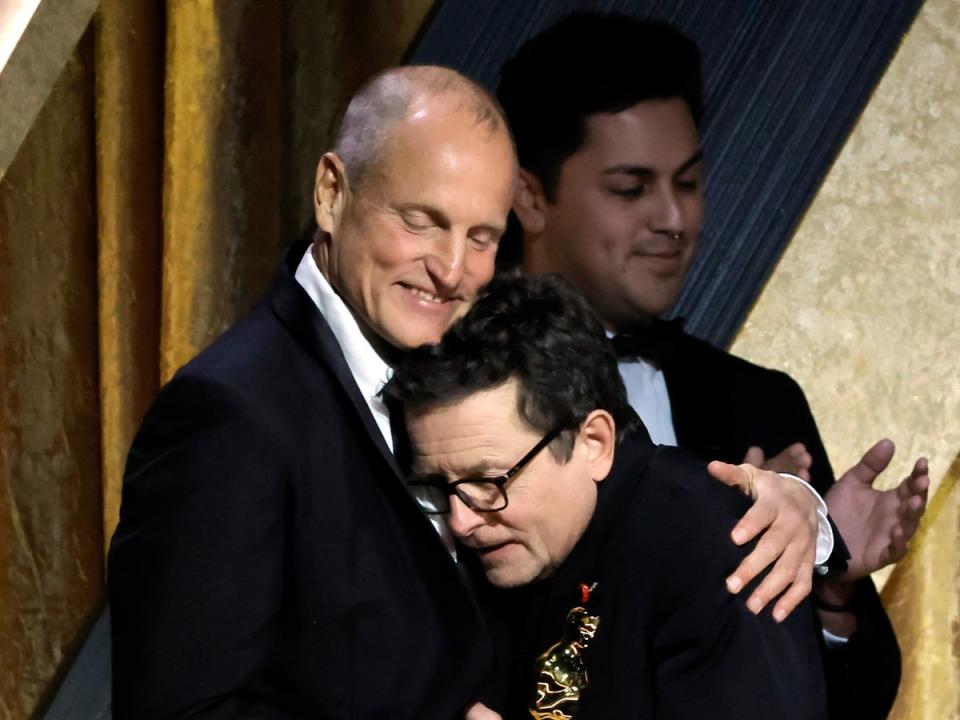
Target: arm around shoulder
[(716, 657)]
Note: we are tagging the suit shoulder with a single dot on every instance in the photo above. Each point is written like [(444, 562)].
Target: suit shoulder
[(679, 484), (700, 352), (674, 498)]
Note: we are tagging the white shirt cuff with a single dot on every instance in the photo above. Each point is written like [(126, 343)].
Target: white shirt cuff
[(833, 641), (824, 531)]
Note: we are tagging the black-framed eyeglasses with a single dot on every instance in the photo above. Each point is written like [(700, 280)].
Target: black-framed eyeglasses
[(480, 494)]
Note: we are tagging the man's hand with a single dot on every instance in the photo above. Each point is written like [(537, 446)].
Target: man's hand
[(786, 513), (794, 460), (479, 711), (877, 525)]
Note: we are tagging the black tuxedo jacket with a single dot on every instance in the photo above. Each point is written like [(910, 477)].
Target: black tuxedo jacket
[(269, 561), (672, 643), (722, 405)]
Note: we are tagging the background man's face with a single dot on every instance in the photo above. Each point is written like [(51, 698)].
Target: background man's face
[(550, 503), (628, 210), (418, 239)]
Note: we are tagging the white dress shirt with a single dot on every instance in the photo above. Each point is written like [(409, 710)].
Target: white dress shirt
[(369, 370)]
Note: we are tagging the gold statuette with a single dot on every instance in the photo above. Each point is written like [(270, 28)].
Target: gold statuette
[(560, 671)]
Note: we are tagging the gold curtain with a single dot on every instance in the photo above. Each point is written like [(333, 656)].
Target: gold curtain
[(921, 598), (145, 211)]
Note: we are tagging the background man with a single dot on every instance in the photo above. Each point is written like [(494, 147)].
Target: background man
[(611, 196), (516, 417), (269, 561)]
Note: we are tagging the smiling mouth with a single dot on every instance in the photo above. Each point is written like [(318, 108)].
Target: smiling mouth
[(663, 254), (425, 295)]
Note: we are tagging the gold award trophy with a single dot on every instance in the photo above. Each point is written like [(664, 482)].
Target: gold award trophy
[(561, 675)]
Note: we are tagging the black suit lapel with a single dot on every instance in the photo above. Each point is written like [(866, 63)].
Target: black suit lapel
[(296, 310), (695, 402), (298, 313)]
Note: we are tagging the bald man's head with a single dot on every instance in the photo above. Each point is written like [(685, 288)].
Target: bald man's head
[(412, 203), (397, 94)]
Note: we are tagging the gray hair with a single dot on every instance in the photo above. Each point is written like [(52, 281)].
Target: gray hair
[(386, 99)]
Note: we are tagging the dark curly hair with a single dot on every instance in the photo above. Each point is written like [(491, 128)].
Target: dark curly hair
[(537, 330)]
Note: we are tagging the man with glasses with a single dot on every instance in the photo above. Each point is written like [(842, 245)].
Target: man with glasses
[(624, 545)]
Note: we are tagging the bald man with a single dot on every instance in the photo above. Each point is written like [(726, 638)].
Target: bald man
[(270, 561)]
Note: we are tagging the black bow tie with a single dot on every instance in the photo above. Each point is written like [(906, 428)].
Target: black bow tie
[(656, 342)]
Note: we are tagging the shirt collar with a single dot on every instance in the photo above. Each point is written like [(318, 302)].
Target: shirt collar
[(369, 370)]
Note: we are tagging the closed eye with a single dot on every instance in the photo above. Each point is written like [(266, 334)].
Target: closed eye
[(417, 221), (630, 192), (484, 238)]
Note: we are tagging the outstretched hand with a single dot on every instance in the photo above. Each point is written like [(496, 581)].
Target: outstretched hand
[(785, 512), (794, 460), (877, 525)]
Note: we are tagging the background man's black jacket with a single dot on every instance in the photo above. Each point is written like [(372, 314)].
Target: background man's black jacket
[(721, 406)]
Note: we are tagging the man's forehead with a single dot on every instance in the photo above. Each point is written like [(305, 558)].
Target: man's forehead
[(465, 438), (648, 126), (446, 157)]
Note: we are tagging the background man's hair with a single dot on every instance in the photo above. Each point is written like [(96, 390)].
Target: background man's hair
[(537, 330), (587, 64), (386, 99)]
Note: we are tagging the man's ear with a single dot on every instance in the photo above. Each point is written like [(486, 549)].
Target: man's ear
[(330, 192), (529, 203), (598, 437)]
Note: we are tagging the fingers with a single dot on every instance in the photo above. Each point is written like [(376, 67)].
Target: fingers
[(754, 456), (917, 483), (899, 543), (794, 460), (909, 513), (785, 513), (791, 575), (874, 461), (734, 475), (801, 587), (757, 519), (764, 554)]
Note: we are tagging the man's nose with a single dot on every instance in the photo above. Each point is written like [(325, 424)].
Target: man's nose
[(666, 214), (463, 521), (445, 261)]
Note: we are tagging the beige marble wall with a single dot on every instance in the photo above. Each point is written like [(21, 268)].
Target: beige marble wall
[(864, 307)]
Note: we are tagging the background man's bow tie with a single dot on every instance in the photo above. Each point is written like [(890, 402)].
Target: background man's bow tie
[(656, 342)]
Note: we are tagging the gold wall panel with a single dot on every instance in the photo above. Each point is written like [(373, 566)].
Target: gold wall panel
[(51, 567), (921, 598), (254, 91), (864, 307), (129, 142)]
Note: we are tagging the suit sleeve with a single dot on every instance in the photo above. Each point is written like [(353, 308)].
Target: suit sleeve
[(195, 567), (714, 658)]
